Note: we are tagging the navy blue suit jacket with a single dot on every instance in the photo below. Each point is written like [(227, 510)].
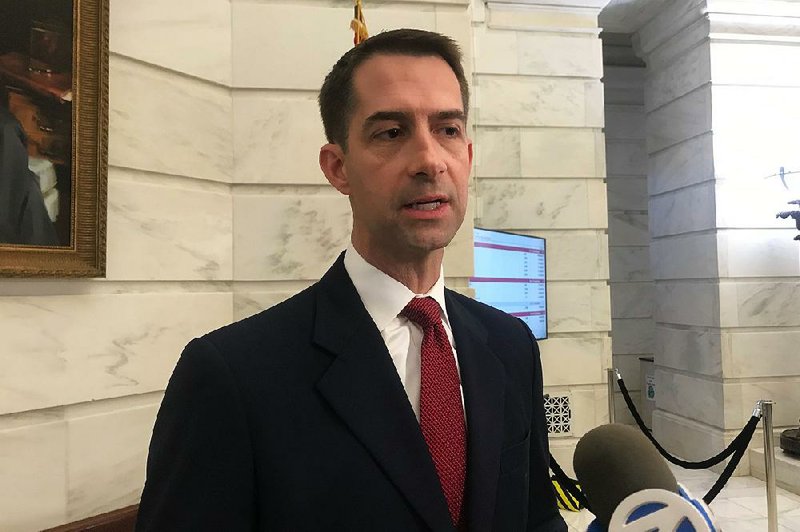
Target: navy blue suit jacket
[(295, 419)]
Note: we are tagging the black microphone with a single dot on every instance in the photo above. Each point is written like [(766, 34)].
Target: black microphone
[(629, 485)]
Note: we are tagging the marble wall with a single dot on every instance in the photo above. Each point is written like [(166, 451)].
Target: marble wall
[(721, 116), (632, 288), (540, 168)]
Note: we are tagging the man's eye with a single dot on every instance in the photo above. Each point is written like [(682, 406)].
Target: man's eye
[(392, 133), (451, 131)]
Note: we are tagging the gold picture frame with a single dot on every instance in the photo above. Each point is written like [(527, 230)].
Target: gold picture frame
[(80, 249)]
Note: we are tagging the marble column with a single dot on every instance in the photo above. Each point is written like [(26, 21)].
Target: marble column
[(722, 97), (540, 168)]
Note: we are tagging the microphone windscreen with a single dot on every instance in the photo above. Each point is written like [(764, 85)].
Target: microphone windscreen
[(614, 461)]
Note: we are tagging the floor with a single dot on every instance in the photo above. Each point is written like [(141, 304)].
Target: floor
[(741, 506)]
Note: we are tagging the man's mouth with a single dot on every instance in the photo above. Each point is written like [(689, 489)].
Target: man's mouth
[(426, 205)]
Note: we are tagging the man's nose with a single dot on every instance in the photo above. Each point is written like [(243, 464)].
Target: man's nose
[(428, 157)]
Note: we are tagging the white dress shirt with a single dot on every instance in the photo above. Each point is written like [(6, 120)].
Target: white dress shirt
[(384, 299)]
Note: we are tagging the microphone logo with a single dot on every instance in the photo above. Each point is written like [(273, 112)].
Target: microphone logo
[(658, 510)]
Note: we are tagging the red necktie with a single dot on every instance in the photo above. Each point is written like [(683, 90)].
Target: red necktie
[(441, 414)]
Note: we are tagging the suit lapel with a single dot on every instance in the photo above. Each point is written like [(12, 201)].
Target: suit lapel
[(483, 381), (363, 387)]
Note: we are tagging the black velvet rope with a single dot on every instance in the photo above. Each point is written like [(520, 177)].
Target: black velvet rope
[(567, 484), (749, 429), (740, 442)]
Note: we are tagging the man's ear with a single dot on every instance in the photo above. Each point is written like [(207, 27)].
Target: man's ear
[(331, 161)]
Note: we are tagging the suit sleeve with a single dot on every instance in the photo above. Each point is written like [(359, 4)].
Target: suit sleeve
[(200, 466), (543, 515)]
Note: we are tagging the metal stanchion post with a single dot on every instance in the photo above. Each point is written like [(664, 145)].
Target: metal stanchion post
[(769, 465), (612, 382)]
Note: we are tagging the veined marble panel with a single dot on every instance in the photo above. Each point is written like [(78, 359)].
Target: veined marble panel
[(632, 300), (498, 152), (680, 120), (629, 263), (261, 29), (632, 336), (694, 350), (761, 354), (688, 163), (288, 237), (163, 122), (183, 35), (679, 44), (555, 152), (540, 203), (455, 21), (33, 485), (245, 304), (760, 304), (277, 139), (49, 359), (538, 18), (627, 193), (589, 406), (574, 361), (163, 232), (755, 63), (759, 253), (496, 51), (517, 101), (684, 257), (741, 397), (628, 229), (684, 211), (625, 157), (575, 255), (625, 122), (755, 132), (576, 55), (690, 396), (677, 15), (688, 303), (685, 74), (686, 438), (106, 459), (578, 307)]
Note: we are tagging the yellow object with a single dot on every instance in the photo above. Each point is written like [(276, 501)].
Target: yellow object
[(565, 500), (358, 24)]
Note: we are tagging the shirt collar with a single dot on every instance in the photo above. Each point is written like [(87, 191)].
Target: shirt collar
[(383, 296)]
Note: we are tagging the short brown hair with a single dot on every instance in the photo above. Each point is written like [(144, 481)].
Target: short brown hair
[(337, 98)]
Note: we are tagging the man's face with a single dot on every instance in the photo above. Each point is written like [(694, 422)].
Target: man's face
[(406, 170)]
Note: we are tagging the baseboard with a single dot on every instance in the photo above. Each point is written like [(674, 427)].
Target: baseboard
[(122, 520)]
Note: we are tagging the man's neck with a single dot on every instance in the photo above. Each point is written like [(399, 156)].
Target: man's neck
[(417, 273)]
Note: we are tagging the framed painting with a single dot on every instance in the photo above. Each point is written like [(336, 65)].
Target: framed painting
[(53, 137)]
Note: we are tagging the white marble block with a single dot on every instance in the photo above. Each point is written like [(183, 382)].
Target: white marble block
[(578, 307), (276, 138), (160, 122), (556, 152), (679, 120), (182, 35), (178, 230)]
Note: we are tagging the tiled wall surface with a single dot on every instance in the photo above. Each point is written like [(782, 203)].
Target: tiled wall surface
[(720, 104), (540, 171), (632, 288)]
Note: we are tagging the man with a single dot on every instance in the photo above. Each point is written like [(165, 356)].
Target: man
[(344, 408)]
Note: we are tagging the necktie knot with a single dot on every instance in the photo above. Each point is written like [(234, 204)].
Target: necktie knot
[(424, 311)]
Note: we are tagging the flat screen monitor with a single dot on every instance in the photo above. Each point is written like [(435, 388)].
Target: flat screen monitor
[(510, 276)]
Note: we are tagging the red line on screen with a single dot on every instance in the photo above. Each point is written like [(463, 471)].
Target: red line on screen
[(505, 280), (508, 248), (528, 313)]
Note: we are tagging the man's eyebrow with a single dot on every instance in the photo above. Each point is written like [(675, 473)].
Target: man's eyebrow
[(379, 116), (453, 114)]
